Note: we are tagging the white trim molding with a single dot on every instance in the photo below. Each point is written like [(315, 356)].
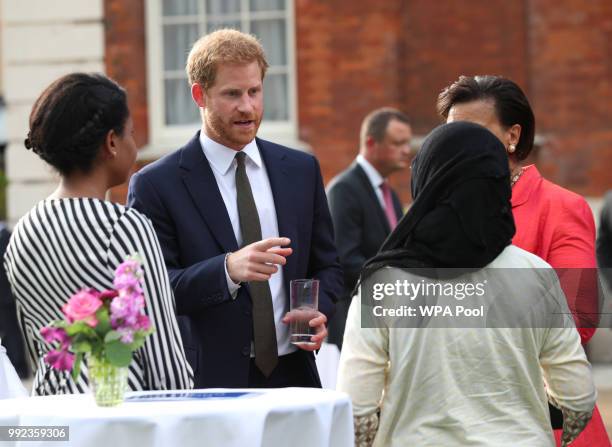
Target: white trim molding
[(164, 138)]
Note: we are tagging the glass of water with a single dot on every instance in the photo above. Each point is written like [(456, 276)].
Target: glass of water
[(304, 302)]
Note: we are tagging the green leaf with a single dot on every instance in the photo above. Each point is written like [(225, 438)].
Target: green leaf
[(118, 354), (76, 368), (80, 327), (104, 325), (81, 346), (136, 344), (112, 336)]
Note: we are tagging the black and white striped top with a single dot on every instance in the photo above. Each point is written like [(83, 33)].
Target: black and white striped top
[(64, 245)]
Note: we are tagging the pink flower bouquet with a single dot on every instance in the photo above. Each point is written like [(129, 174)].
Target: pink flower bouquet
[(108, 325)]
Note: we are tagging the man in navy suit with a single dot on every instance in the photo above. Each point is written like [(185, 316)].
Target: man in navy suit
[(237, 218), (363, 206)]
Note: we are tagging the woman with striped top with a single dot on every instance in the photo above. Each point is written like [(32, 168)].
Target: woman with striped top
[(75, 239)]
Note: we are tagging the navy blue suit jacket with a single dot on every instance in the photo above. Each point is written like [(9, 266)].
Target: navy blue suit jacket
[(179, 194)]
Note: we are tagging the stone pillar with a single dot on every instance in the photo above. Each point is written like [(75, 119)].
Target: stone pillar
[(41, 42)]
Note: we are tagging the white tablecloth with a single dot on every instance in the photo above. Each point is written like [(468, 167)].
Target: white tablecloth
[(328, 359), (295, 417)]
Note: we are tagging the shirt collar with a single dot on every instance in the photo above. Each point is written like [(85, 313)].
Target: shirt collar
[(221, 157), (373, 175)]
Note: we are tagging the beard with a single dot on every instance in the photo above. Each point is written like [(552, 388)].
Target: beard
[(226, 132)]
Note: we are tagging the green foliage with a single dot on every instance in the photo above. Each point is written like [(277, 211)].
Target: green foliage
[(103, 318), (76, 369), (118, 353)]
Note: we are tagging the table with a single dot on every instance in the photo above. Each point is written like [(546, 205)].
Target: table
[(295, 417)]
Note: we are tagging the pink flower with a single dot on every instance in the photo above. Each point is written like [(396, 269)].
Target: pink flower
[(108, 294), (127, 335), (143, 323), (53, 334), (127, 282), (83, 306), (60, 359), (129, 267)]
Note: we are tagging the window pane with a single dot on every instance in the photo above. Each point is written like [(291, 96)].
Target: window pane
[(178, 40), (215, 25), (272, 34), (267, 5), (215, 7), (180, 108), (180, 7), (276, 104)]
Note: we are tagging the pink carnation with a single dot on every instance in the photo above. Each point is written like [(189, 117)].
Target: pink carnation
[(82, 306), (60, 359), (53, 334)]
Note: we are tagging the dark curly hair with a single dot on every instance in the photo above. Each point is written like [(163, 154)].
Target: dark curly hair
[(71, 119), (511, 104)]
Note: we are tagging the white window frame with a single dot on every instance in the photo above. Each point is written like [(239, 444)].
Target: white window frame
[(163, 139)]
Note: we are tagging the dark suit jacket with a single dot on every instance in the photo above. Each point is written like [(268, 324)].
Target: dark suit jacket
[(179, 194), (361, 226)]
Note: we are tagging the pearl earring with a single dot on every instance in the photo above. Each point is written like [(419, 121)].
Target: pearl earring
[(511, 148)]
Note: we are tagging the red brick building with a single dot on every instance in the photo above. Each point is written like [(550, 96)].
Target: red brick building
[(347, 57)]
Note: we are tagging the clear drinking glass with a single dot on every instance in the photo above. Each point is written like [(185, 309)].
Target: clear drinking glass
[(304, 301)]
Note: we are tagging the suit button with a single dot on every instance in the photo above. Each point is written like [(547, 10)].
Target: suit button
[(246, 351), (247, 312)]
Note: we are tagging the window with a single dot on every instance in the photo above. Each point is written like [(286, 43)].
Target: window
[(174, 25)]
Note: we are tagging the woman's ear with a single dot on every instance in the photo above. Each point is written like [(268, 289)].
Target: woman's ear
[(514, 134), (109, 150)]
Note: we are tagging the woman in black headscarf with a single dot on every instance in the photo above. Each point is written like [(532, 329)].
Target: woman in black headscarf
[(461, 214), (460, 386)]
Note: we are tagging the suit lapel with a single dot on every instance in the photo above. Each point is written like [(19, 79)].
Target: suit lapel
[(202, 186), (286, 198), (374, 202)]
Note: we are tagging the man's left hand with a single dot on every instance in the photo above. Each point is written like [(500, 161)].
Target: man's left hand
[(319, 323)]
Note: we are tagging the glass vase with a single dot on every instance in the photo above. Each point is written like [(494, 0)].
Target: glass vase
[(107, 382)]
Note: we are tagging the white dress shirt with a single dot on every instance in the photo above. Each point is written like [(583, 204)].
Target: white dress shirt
[(374, 176), (223, 163)]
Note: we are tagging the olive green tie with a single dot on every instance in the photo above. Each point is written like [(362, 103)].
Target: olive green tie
[(264, 330)]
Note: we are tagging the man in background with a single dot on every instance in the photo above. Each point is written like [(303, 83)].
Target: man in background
[(363, 206)]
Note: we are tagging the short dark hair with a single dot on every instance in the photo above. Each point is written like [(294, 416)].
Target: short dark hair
[(71, 119), (511, 104), (375, 123)]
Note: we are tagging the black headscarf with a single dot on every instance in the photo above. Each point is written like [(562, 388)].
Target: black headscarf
[(461, 217)]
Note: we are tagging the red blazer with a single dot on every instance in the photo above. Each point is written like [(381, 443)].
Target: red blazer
[(557, 225)]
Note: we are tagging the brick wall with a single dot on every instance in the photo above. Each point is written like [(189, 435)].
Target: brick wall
[(570, 45), (355, 56), (348, 57), (125, 62), (351, 60)]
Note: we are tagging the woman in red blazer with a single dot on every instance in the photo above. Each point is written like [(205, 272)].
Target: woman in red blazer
[(551, 222)]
